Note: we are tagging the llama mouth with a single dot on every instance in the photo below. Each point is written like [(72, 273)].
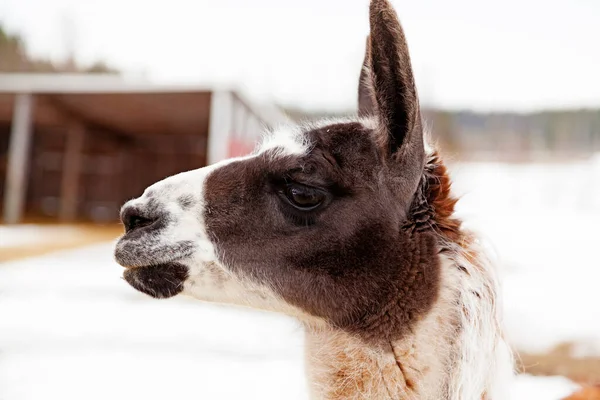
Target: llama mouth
[(159, 281), (136, 254)]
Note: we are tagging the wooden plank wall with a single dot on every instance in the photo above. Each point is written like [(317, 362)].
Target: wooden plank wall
[(113, 169)]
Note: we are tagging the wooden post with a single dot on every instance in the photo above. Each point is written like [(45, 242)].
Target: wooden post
[(71, 171), (18, 158), (219, 126)]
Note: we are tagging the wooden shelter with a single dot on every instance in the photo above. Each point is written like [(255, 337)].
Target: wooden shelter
[(75, 147)]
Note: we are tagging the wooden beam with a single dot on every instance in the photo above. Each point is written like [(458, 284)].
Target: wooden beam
[(18, 158), (73, 115), (71, 172)]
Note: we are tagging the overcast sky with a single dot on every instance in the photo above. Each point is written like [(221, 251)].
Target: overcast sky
[(492, 54)]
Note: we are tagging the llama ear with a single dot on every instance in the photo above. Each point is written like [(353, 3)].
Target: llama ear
[(390, 85)]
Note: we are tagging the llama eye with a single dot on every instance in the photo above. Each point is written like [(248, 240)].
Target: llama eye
[(304, 198)]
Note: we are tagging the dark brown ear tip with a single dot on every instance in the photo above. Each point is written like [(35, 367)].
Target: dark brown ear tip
[(383, 18), (377, 6)]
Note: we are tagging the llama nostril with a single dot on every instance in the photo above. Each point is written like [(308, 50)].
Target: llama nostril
[(132, 219)]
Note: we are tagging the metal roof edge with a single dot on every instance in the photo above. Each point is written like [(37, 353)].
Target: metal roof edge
[(95, 83)]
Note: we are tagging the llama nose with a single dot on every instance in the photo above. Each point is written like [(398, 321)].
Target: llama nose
[(134, 219)]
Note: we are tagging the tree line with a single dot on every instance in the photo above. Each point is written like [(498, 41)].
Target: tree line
[(14, 57)]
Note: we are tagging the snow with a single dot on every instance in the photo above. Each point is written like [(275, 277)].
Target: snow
[(70, 328), (542, 222), (529, 387), (19, 235)]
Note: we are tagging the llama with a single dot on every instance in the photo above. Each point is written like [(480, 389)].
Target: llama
[(348, 226)]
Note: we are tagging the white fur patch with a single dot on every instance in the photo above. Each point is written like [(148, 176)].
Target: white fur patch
[(292, 140), (285, 140), (367, 122), (484, 361), (428, 144), (215, 283)]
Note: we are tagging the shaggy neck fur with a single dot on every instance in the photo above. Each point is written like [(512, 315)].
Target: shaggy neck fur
[(454, 352)]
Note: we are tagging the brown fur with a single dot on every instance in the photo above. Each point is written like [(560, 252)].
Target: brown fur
[(379, 271), (433, 206), (352, 265)]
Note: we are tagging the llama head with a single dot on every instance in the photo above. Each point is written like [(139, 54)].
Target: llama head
[(310, 224)]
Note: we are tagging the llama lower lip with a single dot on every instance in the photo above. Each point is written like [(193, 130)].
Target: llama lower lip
[(158, 281)]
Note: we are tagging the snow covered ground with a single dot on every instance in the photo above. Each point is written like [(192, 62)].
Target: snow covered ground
[(542, 222), (70, 328), (528, 387), (14, 236)]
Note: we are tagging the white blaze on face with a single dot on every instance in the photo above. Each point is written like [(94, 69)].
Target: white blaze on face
[(285, 140), (179, 199)]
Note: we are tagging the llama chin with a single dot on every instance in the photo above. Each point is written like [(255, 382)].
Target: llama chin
[(347, 225), (159, 281)]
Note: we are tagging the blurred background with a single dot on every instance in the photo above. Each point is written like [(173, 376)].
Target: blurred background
[(98, 100)]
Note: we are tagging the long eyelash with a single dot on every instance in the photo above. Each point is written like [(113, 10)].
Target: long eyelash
[(303, 219)]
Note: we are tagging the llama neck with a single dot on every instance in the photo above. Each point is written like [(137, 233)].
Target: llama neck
[(342, 366), (455, 351)]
